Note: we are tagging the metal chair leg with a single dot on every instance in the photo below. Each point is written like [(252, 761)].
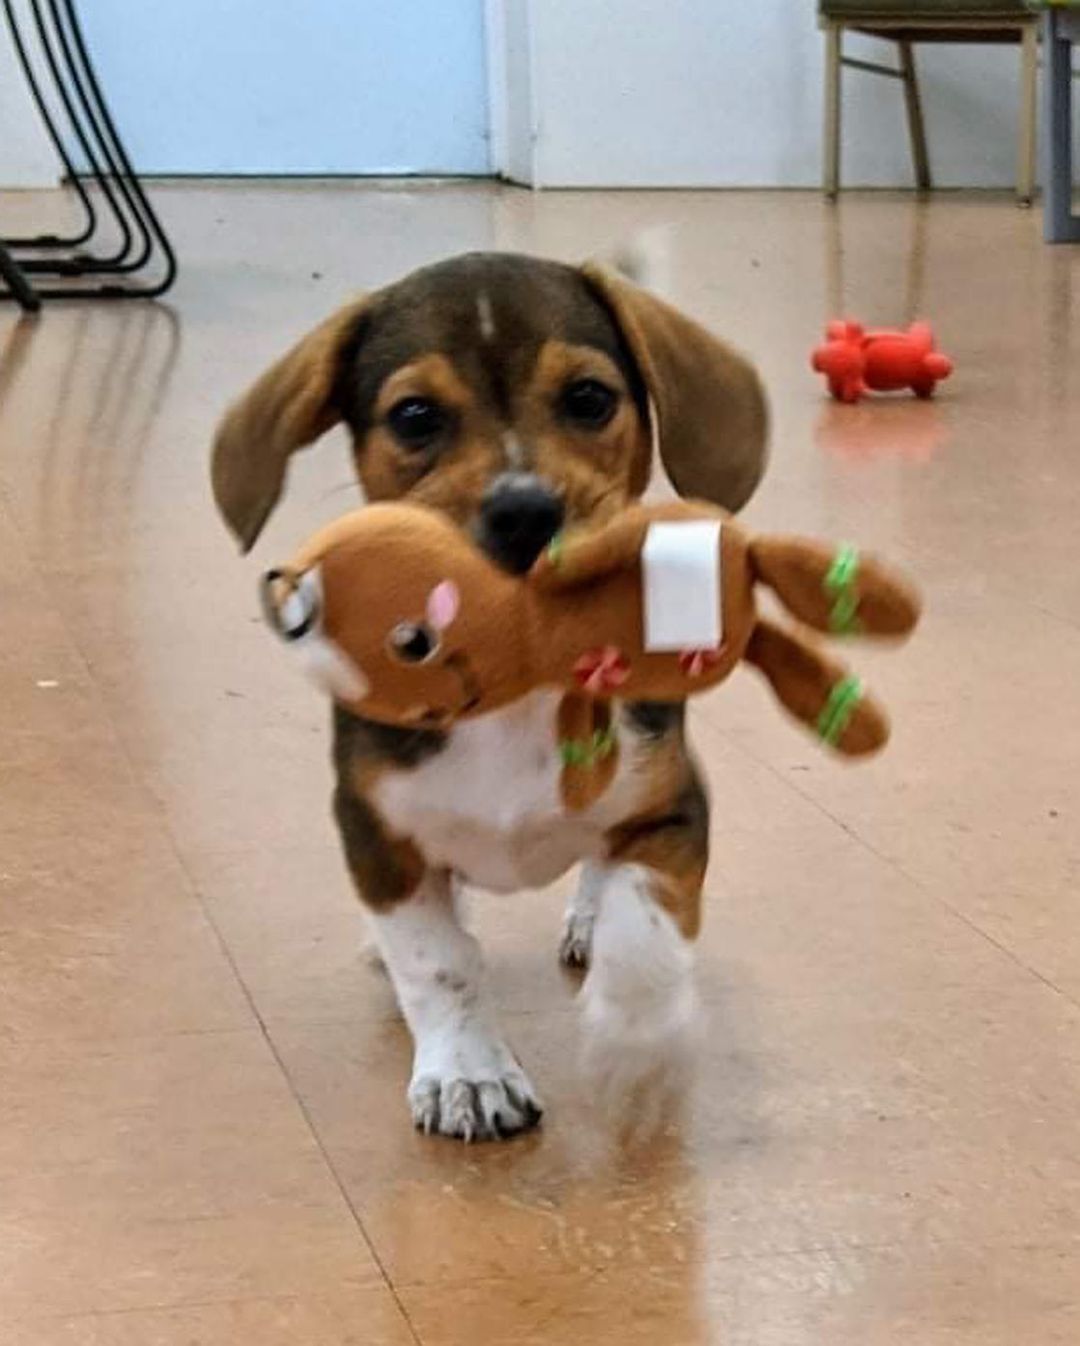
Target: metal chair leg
[(142, 237), (132, 222), (149, 221), (70, 173), (21, 289), (833, 72), (88, 145), (1029, 64), (920, 158)]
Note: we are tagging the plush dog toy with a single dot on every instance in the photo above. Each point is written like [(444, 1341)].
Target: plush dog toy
[(405, 621)]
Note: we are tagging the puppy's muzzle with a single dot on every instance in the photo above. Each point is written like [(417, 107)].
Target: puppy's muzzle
[(519, 515)]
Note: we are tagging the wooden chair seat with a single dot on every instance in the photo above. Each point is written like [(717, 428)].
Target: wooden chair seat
[(907, 22)]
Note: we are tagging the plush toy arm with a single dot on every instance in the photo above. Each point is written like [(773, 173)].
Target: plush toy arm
[(835, 590), (818, 690), (579, 558), (582, 556)]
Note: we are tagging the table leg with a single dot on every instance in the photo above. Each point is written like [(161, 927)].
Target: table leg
[(1060, 225)]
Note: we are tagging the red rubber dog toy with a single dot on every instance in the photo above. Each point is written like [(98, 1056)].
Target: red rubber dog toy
[(854, 360)]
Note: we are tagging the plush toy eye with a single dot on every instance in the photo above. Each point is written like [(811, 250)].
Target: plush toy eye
[(416, 422), (589, 403), (413, 642)]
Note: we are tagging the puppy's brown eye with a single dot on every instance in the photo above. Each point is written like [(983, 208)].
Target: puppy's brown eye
[(413, 642), (588, 403), (416, 422)]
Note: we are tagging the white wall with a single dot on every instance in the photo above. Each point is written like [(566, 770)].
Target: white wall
[(289, 86), (586, 92), (719, 93), (26, 157)]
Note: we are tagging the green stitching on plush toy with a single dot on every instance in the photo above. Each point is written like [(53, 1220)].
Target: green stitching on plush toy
[(572, 752), (587, 752), (838, 710), (839, 583)]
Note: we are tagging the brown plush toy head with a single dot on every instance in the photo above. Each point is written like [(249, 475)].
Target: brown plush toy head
[(403, 620), (395, 612)]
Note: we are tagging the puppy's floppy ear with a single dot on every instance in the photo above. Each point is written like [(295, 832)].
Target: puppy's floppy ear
[(289, 407), (709, 404)]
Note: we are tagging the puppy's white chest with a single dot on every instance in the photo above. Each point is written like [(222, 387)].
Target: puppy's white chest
[(488, 805)]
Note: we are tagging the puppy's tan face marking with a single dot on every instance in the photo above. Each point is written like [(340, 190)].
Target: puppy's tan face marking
[(448, 466), (584, 432), (569, 418)]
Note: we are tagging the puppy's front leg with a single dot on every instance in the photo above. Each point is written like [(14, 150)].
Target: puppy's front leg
[(639, 997), (466, 1081), (580, 916)]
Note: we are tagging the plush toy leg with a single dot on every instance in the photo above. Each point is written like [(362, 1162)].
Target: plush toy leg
[(818, 690), (835, 590), (589, 750)]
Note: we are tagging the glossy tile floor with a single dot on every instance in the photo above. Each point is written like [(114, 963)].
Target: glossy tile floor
[(202, 1133)]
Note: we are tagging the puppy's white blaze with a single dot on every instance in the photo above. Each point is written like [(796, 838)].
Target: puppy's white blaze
[(516, 457), (640, 1002), (486, 314)]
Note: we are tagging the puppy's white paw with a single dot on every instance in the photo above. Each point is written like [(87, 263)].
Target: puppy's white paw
[(640, 1005), (470, 1085), (639, 1068), (575, 946)]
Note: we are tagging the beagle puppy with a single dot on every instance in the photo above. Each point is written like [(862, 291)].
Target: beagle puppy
[(517, 396)]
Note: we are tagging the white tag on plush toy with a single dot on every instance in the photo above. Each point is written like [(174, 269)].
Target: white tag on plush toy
[(681, 568)]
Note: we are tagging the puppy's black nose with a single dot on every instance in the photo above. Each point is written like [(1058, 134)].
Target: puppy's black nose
[(519, 515)]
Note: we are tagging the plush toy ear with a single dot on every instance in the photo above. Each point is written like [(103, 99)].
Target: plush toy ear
[(819, 691), (291, 602), (292, 605), (289, 407), (835, 590), (711, 417), (443, 604)]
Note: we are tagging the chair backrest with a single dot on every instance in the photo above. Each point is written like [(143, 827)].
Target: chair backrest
[(962, 11)]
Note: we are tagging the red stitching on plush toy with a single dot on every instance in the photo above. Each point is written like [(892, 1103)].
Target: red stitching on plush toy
[(696, 662), (602, 670)]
